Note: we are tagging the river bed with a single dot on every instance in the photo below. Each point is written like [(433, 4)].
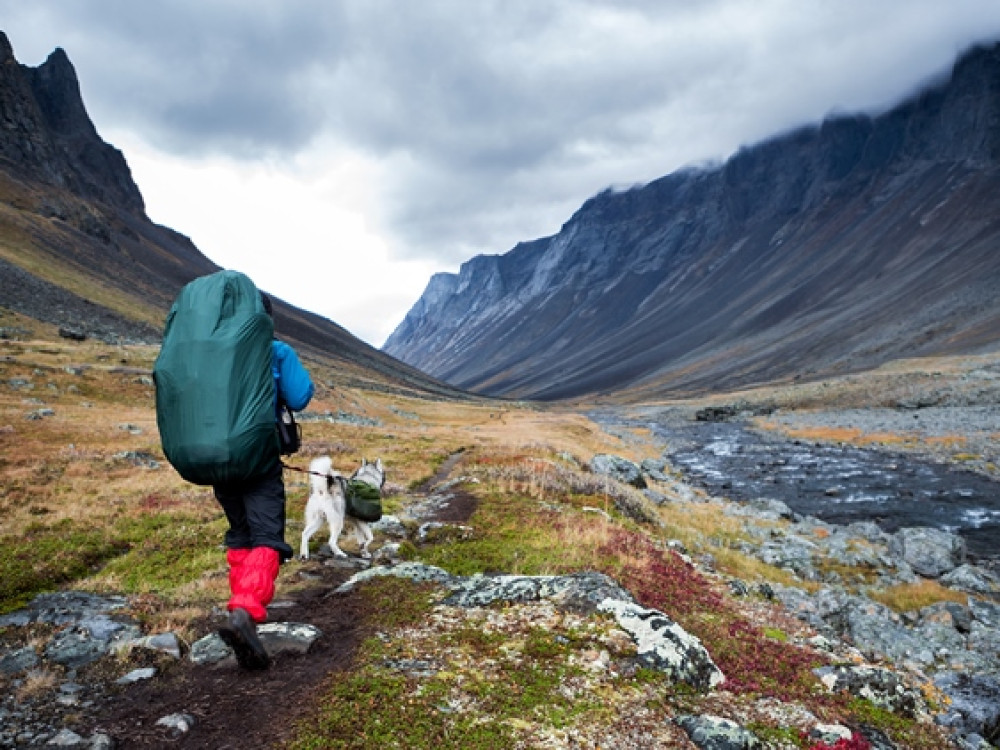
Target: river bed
[(834, 482)]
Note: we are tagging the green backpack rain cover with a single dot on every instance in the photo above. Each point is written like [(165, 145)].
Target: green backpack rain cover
[(214, 382)]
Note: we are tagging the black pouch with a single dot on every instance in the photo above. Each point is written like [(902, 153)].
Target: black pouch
[(289, 431)]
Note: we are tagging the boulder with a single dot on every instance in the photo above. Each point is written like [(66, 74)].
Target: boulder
[(881, 686), (974, 704), (618, 468), (414, 571), (665, 646), (930, 552), (972, 579), (579, 592), (715, 733)]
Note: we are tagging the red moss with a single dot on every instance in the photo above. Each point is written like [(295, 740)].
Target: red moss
[(753, 663), (856, 742)]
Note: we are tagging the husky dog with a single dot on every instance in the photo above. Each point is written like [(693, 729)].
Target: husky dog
[(328, 502)]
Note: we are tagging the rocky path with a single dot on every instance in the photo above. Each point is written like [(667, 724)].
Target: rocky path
[(188, 695)]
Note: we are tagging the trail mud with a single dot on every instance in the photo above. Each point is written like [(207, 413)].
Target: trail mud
[(233, 708)]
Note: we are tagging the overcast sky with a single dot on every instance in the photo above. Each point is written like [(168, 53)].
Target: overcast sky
[(341, 151)]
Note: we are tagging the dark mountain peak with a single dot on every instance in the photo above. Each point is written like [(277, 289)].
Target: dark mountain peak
[(48, 135), (833, 246), (6, 51), (57, 91)]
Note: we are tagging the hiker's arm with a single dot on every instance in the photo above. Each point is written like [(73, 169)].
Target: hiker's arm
[(294, 382)]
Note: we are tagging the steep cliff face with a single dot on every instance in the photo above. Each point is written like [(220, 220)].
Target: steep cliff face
[(829, 248)]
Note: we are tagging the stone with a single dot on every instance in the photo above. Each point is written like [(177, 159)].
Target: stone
[(165, 643), (665, 646), (72, 334), (417, 572), (930, 552), (771, 509), (974, 704), (882, 687), (987, 613), (88, 640), (177, 725), (137, 675), (67, 738), (63, 608), (437, 531), (18, 660), (972, 579), (580, 592), (390, 525), (715, 733), (618, 468), (209, 650), (829, 734), (289, 637)]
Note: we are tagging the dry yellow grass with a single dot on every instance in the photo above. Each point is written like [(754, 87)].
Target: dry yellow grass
[(910, 597), (35, 683), (77, 424)]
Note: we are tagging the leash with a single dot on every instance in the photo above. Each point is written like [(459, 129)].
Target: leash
[(329, 478), (303, 471)]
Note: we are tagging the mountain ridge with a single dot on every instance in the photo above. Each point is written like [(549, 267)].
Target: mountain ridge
[(77, 249), (829, 248)]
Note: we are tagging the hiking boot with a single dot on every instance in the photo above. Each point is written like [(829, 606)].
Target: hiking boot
[(240, 634)]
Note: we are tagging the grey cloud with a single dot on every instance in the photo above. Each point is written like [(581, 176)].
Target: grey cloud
[(496, 118), (199, 77)]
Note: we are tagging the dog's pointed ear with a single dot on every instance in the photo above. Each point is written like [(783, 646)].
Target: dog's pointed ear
[(364, 462), (378, 464)]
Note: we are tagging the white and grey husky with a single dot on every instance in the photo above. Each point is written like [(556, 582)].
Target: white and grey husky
[(328, 502)]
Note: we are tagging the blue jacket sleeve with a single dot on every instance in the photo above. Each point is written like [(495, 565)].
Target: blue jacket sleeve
[(294, 385)]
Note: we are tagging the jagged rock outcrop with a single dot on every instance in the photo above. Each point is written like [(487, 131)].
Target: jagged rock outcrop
[(833, 247), (45, 132)]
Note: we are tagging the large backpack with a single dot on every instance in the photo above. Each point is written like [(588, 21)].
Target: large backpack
[(215, 392)]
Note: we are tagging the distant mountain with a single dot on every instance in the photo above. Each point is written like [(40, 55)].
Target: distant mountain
[(77, 249), (828, 249)]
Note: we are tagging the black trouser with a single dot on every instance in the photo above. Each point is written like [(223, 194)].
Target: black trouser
[(256, 512)]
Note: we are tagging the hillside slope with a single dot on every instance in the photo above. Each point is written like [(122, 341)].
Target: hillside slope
[(832, 248), (78, 251)]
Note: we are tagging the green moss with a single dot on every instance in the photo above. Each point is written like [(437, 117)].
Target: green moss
[(776, 634), (868, 713), (398, 601), (505, 543), (777, 736), (377, 708), (153, 552), (45, 558)]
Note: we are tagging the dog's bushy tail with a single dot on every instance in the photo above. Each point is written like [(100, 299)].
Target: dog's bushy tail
[(323, 467)]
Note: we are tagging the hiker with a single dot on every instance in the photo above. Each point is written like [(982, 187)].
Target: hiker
[(255, 509)]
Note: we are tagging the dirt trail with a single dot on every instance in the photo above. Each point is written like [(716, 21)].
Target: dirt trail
[(236, 709)]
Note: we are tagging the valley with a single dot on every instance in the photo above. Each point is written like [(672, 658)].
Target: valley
[(749, 498), (483, 488)]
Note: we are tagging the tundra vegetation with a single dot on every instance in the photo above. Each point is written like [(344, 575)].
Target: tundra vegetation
[(88, 502)]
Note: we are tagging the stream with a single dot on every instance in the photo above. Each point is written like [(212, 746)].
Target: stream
[(836, 483)]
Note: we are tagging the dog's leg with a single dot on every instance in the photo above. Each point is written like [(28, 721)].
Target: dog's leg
[(336, 521), (314, 522), (364, 536)]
